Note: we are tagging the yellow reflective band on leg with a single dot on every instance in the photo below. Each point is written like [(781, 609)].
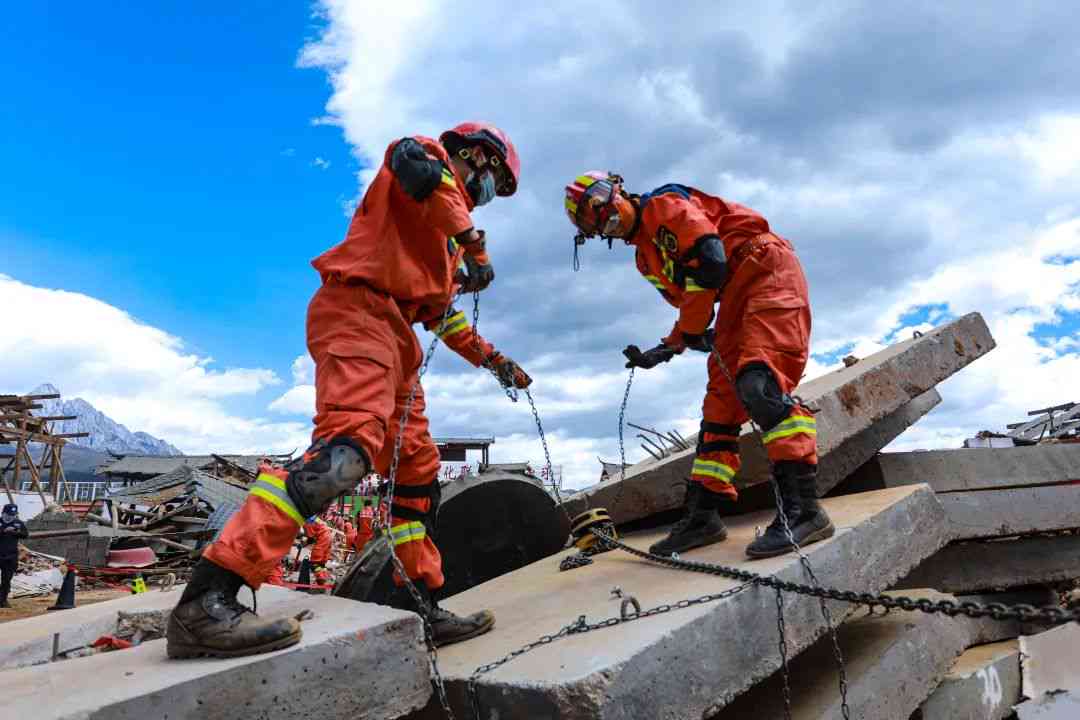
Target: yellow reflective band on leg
[(794, 425), (408, 532), (271, 489), (692, 286), (713, 469)]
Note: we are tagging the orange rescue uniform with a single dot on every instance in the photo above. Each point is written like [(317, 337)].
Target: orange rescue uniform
[(395, 268), (764, 317)]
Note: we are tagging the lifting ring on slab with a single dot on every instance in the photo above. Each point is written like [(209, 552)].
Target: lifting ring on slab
[(627, 602), (580, 526)]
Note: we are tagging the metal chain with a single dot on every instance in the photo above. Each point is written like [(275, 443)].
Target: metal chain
[(997, 611), (581, 626), (507, 387), (555, 486), (804, 561), (781, 645), (622, 447)]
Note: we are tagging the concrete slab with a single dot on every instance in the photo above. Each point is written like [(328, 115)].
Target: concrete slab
[(847, 402), (689, 662), (983, 684), (1055, 706), (355, 660), (974, 469), (1050, 661), (892, 663), (997, 513), (30, 641), (968, 567)]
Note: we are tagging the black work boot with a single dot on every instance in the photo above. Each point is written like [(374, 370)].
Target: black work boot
[(806, 519), (446, 627), (209, 621), (700, 524)]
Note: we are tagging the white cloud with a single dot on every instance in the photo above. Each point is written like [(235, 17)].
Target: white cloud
[(944, 198), (288, 152), (137, 374), (320, 163)]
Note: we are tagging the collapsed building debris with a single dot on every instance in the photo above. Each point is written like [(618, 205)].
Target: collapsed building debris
[(623, 637)]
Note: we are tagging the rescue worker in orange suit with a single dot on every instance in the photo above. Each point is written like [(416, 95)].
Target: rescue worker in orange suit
[(698, 250), (409, 248), (320, 535), (350, 535)]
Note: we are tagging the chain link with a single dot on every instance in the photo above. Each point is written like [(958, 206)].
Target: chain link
[(555, 486), (781, 645), (507, 387)]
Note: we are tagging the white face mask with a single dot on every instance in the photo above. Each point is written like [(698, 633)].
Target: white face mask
[(8, 518)]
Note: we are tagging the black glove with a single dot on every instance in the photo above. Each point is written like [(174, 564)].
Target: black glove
[(509, 372), (702, 342), (648, 359), (479, 277)]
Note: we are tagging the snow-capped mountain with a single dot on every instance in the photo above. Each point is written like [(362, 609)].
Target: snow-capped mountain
[(106, 435)]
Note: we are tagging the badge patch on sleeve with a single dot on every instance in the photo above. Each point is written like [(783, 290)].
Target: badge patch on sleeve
[(667, 239)]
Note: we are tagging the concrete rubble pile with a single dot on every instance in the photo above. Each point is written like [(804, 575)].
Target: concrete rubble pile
[(626, 638)]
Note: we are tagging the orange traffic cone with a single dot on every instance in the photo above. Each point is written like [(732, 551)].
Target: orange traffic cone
[(65, 599)]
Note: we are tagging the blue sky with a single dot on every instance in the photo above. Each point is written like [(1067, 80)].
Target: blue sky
[(161, 200), (161, 160)]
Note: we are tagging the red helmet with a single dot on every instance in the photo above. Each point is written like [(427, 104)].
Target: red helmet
[(596, 205), (502, 152)]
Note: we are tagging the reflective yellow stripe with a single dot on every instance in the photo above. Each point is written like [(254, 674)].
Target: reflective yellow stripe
[(656, 282), (453, 324), (792, 426), (713, 469), (692, 286), (272, 490), (408, 532), (448, 178)]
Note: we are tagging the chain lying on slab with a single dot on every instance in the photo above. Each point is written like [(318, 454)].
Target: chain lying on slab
[(582, 626), (997, 611)]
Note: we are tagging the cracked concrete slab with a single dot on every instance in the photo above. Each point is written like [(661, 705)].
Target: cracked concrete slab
[(847, 402), (689, 662), (355, 660)]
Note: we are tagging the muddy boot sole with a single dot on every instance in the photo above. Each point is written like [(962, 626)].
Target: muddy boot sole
[(816, 536), (180, 651), (486, 626)]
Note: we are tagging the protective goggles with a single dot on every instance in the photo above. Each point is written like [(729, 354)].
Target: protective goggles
[(596, 212), (483, 157)]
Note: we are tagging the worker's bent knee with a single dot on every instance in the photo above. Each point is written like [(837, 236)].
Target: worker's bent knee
[(331, 469), (762, 397)]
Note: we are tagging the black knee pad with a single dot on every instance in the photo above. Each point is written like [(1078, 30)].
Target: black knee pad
[(761, 396)]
